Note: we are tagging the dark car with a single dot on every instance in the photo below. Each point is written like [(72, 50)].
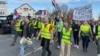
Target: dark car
[(5, 27)]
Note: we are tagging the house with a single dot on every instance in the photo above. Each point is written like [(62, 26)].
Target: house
[(25, 10), (3, 8)]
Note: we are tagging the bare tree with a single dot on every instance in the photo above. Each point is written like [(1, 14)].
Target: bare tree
[(64, 10), (61, 11), (99, 15)]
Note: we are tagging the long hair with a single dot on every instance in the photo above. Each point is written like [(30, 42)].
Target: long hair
[(68, 27)]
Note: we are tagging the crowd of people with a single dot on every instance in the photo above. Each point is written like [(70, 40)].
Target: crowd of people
[(60, 30)]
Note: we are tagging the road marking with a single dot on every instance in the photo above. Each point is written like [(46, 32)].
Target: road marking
[(33, 51)]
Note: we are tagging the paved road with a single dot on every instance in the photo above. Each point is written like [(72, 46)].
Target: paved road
[(7, 50)]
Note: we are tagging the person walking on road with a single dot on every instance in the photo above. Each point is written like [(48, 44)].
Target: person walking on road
[(18, 31), (84, 33), (59, 27), (98, 38), (66, 39), (27, 40), (46, 33), (75, 29)]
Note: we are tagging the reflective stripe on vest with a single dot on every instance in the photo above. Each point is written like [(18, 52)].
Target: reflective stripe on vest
[(45, 33), (66, 35), (17, 26)]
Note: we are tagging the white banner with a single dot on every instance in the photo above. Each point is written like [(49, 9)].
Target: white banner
[(83, 13)]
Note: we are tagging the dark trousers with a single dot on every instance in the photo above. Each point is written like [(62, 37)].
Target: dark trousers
[(59, 38), (98, 46), (76, 38), (85, 42), (17, 33), (35, 32), (12, 30), (94, 36), (45, 46), (38, 30)]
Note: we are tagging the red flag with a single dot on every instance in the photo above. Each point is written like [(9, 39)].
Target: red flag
[(70, 15)]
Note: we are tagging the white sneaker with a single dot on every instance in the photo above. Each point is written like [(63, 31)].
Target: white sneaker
[(75, 45), (58, 47), (13, 35), (98, 55)]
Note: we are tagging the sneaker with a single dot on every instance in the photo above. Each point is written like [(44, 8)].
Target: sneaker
[(13, 35), (75, 45), (13, 44), (34, 38), (49, 54), (58, 47), (98, 55)]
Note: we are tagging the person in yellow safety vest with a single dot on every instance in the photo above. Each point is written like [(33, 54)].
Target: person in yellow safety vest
[(59, 27), (35, 24), (46, 33), (98, 38), (39, 24), (32, 22), (66, 39), (18, 31), (84, 33), (52, 22)]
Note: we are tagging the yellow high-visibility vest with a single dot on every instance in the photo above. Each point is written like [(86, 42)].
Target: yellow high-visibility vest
[(45, 33), (17, 25), (98, 33), (39, 24), (35, 23), (66, 35), (85, 30)]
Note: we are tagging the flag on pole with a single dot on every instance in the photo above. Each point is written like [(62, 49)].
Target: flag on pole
[(43, 13), (15, 14), (55, 4)]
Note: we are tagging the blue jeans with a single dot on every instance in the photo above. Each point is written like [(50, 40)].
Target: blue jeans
[(24, 46), (98, 46)]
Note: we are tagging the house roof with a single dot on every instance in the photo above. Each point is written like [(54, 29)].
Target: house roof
[(26, 4), (38, 12)]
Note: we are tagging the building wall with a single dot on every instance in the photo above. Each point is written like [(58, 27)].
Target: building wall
[(3, 9), (25, 10)]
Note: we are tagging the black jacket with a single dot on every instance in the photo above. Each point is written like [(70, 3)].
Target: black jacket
[(29, 30)]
